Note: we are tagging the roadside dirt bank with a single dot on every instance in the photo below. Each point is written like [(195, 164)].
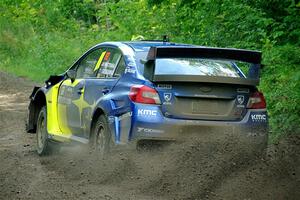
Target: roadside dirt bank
[(190, 170)]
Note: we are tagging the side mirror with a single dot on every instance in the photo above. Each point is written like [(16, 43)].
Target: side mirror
[(71, 74)]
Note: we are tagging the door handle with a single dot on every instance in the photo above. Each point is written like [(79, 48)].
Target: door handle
[(105, 90), (80, 91)]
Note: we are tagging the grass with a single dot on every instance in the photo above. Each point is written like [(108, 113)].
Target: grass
[(30, 53)]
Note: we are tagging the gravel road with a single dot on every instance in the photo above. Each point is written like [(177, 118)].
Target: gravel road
[(190, 170)]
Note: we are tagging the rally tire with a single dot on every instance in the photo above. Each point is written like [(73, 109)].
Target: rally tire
[(43, 145), (101, 141)]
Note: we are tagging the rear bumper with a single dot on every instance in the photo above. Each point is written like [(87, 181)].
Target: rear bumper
[(148, 123)]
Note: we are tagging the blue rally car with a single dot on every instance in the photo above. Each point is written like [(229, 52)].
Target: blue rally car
[(128, 92)]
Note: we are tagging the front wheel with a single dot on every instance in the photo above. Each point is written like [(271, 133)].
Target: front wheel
[(43, 146), (101, 137)]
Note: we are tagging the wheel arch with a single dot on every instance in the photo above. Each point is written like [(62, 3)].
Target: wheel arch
[(97, 113), (103, 107), (38, 100)]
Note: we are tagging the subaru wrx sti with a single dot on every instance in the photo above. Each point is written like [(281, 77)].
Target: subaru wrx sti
[(126, 92)]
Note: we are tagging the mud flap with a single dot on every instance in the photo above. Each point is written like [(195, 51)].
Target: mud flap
[(31, 113)]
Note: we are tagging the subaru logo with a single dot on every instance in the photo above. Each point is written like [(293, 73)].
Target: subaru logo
[(167, 96), (240, 99), (205, 89)]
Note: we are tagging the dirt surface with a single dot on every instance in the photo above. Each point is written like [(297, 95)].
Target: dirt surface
[(190, 170)]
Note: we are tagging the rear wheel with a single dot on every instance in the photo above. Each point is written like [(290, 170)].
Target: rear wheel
[(43, 146), (101, 137)]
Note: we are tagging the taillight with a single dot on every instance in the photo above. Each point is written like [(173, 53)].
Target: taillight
[(144, 94), (256, 101)]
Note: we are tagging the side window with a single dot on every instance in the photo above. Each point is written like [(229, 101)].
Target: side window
[(88, 67), (110, 61), (120, 68)]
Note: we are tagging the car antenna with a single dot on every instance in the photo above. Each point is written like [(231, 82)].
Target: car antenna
[(166, 38)]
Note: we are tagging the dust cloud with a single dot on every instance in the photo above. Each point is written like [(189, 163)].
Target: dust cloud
[(198, 167)]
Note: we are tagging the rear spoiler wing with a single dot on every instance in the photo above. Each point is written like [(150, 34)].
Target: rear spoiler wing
[(253, 57), (205, 52)]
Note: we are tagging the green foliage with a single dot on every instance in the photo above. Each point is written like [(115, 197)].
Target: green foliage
[(38, 38), (281, 84)]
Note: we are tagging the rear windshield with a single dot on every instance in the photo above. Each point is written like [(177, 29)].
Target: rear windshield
[(196, 66)]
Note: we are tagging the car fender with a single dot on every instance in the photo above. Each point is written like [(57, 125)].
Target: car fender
[(43, 96), (37, 100), (98, 110)]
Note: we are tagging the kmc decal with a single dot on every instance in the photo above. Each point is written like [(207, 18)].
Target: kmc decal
[(259, 117), (144, 112)]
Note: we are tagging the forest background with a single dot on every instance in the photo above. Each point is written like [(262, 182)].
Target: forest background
[(39, 38)]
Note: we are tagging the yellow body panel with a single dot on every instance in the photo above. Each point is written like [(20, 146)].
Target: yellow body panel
[(53, 127), (52, 120), (57, 118), (62, 117)]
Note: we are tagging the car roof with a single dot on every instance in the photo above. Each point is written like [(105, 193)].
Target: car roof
[(142, 46), (145, 45)]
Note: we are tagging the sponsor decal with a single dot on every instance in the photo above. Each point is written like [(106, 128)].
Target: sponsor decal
[(64, 100), (111, 119), (149, 130), (130, 70), (131, 62), (240, 99), (126, 115), (107, 55), (65, 95), (164, 86), (259, 117), (243, 90), (145, 112), (108, 69), (66, 91), (168, 96)]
